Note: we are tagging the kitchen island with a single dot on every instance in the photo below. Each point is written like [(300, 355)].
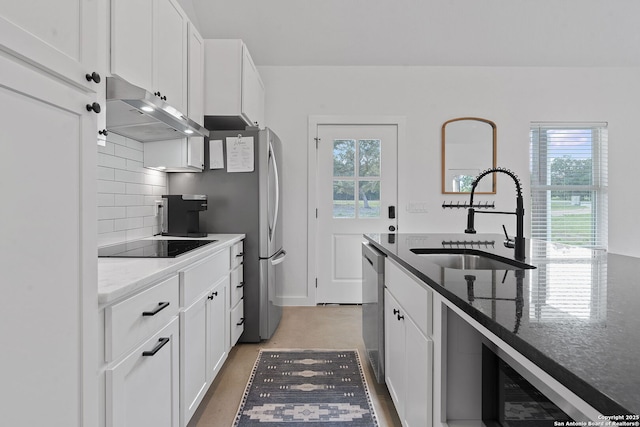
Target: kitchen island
[(575, 316)]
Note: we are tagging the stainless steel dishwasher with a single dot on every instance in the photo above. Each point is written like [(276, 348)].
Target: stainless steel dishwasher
[(373, 308)]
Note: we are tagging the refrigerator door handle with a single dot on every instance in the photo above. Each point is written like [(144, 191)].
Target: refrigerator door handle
[(272, 156), (279, 258)]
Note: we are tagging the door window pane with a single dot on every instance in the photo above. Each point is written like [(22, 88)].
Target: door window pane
[(369, 199), (344, 199), (369, 157), (344, 157)]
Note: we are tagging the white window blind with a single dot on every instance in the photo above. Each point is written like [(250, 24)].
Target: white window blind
[(569, 183)]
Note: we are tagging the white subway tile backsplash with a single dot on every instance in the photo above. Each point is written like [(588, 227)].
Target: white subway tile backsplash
[(139, 189), (111, 161), (128, 153), (105, 173), (129, 177), (127, 192), (111, 187), (106, 199), (129, 200), (111, 212)]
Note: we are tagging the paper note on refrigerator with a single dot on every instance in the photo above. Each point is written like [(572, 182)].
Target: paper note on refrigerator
[(240, 154), (216, 156)]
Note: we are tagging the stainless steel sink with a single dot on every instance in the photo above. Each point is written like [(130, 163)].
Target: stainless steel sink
[(466, 260)]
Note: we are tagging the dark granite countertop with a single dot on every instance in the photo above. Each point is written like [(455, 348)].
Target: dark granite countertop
[(576, 315)]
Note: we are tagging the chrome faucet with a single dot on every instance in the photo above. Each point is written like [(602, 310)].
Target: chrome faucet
[(519, 242)]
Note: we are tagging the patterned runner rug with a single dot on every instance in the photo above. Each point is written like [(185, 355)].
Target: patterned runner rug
[(307, 388)]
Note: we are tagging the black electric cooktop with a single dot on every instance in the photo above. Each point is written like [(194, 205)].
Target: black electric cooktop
[(151, 248)]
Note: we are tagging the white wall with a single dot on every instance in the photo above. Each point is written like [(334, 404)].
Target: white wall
[(428, 96), (126, 192)]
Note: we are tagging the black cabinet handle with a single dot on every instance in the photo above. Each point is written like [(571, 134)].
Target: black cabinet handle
[(213, 294), (400, 317), (240, 254), (93, 76), (241, 285), (95, 107), (164, 98), (156, 93), (103, 132), (161, 343), (396, 311), (240, 322), (161, 306)]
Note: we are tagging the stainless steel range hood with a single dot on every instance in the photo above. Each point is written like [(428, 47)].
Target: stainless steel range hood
[(137, 114)]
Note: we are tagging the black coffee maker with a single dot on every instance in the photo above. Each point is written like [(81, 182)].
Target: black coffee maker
[(181, 215)]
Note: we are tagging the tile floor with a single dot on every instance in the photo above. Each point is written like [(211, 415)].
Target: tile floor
[(321, 327)]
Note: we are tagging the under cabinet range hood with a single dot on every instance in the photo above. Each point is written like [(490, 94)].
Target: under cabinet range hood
[(135, 113)]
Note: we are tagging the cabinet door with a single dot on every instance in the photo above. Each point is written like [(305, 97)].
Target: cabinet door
[(50, 319), (193, 357), (394, 351), (217, 327), (419, 377), (60, 36), (171, 54), (195, 153), (195, 82), (252, 91), (132, 32), (142, 390)]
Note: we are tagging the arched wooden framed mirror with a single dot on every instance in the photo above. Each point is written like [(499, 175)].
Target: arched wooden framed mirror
[(469, 146)]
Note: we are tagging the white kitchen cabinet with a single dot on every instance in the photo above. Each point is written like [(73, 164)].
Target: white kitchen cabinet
[(175, 155), (60, 37), (234, 91), (142, 389), (149, 47), (236, 291), (49, 313), (217, 328), (196, 75), (408, 347), (203, 327)]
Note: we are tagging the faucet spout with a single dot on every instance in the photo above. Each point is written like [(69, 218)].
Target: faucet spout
[(519, 243)]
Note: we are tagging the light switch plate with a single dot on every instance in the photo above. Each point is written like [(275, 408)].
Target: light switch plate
[(417, 207)]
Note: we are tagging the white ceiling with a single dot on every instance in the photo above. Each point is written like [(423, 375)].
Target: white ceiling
[(427, 32)]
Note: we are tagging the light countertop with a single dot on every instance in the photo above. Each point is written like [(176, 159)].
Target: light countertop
[(119, 277)]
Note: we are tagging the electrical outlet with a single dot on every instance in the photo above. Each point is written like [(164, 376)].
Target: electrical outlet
[(159, 204)]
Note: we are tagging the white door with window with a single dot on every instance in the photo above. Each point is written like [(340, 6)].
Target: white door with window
[(356, 192)]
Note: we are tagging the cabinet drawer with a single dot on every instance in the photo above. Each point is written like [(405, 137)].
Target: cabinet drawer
[(237, 323), (142, 389), (237, 286), (196, 279), (137, 318), (237, 254), (415, 298)]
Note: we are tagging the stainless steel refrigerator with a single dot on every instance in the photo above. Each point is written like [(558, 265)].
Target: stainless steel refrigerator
[(246, 201)]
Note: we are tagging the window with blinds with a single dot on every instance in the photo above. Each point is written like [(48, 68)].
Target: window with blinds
[(569, 183)]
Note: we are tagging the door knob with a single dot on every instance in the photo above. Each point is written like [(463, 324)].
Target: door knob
[(392, 228), (95, 107)]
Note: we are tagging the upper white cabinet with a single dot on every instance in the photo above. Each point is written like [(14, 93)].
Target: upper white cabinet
[(234, 92), (59, 36), (175, 155), (149, 47), (196, 75)]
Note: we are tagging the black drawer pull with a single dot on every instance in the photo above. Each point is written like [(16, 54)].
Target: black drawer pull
[(241, 285), (240, 322), (396, 311), (161, 343), (400, 317), (161, 306), (240, 254)]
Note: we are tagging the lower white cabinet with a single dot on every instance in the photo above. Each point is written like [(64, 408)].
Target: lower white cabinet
[(203, 346), (142, 389), (408, 348)]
